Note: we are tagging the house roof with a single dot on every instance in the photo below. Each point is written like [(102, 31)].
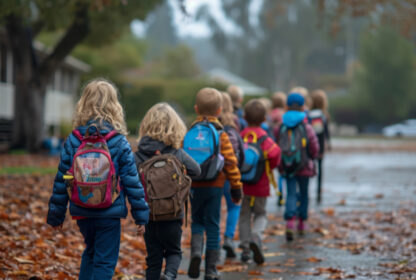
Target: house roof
[(70, 61), (226, 77)]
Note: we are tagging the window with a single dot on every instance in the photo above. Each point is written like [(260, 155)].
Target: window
[(3, 63)]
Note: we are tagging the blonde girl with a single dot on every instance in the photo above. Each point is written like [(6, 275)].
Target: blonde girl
[(99, 109), (162, 131)]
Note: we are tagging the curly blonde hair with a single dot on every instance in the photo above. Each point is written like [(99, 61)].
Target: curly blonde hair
[(162, 123), (227, 117), (99, 102)]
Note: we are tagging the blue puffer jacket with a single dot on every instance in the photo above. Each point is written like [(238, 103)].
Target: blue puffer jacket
[(125, 167)]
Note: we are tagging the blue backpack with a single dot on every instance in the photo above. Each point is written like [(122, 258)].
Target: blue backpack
[(254, 160), (202, 143)]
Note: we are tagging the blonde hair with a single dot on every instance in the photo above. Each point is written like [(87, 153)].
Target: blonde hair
[(99, 102), (208, 101), (279, 99), (236, 94), (162, 123), (320, 100), (266, 103), (227, 117)]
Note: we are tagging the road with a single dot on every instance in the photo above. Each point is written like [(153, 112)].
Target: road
[(362, 179)]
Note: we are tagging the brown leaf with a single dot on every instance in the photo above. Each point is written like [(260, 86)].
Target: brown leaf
[(313, 260)]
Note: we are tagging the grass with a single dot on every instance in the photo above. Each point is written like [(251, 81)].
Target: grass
[(20, 170)]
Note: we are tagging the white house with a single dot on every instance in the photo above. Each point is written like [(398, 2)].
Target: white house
[(60, 95)]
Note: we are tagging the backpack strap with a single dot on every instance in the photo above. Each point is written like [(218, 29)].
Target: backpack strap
[(77, 134), (110, 135)]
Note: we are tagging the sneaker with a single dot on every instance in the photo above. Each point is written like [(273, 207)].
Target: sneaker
[(290, 229), (257, 249), (301, 227), (228, 246), (166, 277), (245, 255)]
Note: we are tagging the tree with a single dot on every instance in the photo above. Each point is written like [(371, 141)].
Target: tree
[(384, 84), (95, 21)]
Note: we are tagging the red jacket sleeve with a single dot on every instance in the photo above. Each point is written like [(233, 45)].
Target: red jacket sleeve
[(273, 152), (313, 144)]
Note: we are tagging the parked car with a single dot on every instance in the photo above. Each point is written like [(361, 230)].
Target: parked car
[(406, 128)]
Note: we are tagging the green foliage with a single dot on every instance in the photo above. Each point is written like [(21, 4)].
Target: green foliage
[(107, 19), (384, 83), (27, 170), (111, 59), (180, 63), (137, 97)]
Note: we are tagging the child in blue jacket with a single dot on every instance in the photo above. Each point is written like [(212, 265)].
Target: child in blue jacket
[(100, 228)]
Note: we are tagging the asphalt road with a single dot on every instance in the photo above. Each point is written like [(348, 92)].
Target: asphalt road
[(359, 175)]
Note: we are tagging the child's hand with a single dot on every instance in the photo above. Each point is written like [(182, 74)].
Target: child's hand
[(236, 195), (140, 229)]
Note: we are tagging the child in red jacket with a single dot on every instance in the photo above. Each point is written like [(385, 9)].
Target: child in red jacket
[(255, 196)]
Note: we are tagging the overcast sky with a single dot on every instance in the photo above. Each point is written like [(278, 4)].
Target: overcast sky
[(187, 26)]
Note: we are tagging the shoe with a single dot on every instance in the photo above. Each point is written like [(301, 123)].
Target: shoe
[(301, 227), (228, 246), (166, 277), (197, 244), (245, 255), (257, 249), (290, 228), (211, 260)]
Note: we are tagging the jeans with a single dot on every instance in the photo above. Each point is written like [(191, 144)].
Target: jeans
[(297, 189), (163, 240), (102, 240), (206, 209), (233, 212), (249, 230)]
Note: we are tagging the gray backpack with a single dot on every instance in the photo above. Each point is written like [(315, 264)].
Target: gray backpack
[(293, 143)]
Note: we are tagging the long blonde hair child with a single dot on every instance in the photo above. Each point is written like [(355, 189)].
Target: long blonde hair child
[(99, 102), (162, 123), (227, 117)]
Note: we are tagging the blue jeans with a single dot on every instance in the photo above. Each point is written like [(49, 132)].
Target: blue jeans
[(163, 241), (102, 240), (233, 212), (297, 190), (206, 209)]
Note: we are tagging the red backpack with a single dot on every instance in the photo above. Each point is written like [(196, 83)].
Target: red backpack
[(92, 181)]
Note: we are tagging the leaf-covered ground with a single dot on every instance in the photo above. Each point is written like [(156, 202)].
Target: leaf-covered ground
[(365, 230)]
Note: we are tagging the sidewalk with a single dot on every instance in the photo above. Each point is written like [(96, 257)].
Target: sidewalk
[(365, 228)]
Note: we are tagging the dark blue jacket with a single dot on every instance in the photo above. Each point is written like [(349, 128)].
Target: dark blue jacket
[(125, 167)]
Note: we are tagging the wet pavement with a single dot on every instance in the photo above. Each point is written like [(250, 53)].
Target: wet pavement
[(359, 175)]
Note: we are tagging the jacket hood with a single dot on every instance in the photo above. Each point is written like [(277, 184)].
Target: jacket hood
[(213, 120), (148, 146), (293, 118), (104, 127)]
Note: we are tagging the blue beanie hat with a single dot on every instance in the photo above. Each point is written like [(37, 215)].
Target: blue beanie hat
[(295, 99)]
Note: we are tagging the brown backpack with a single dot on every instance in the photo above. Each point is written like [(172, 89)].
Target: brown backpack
[(167, 186)]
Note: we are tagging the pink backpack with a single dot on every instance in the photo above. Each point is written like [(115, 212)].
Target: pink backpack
[(92, 181)]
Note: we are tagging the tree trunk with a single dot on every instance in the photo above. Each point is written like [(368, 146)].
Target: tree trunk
[(32, 78), (29, 94)]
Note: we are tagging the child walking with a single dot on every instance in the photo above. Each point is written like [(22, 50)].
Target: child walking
[(162, 132), (227, 119), (255, 195), (98, 123), (207, 190), (237, 97), (319, 119), (300, 146)]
